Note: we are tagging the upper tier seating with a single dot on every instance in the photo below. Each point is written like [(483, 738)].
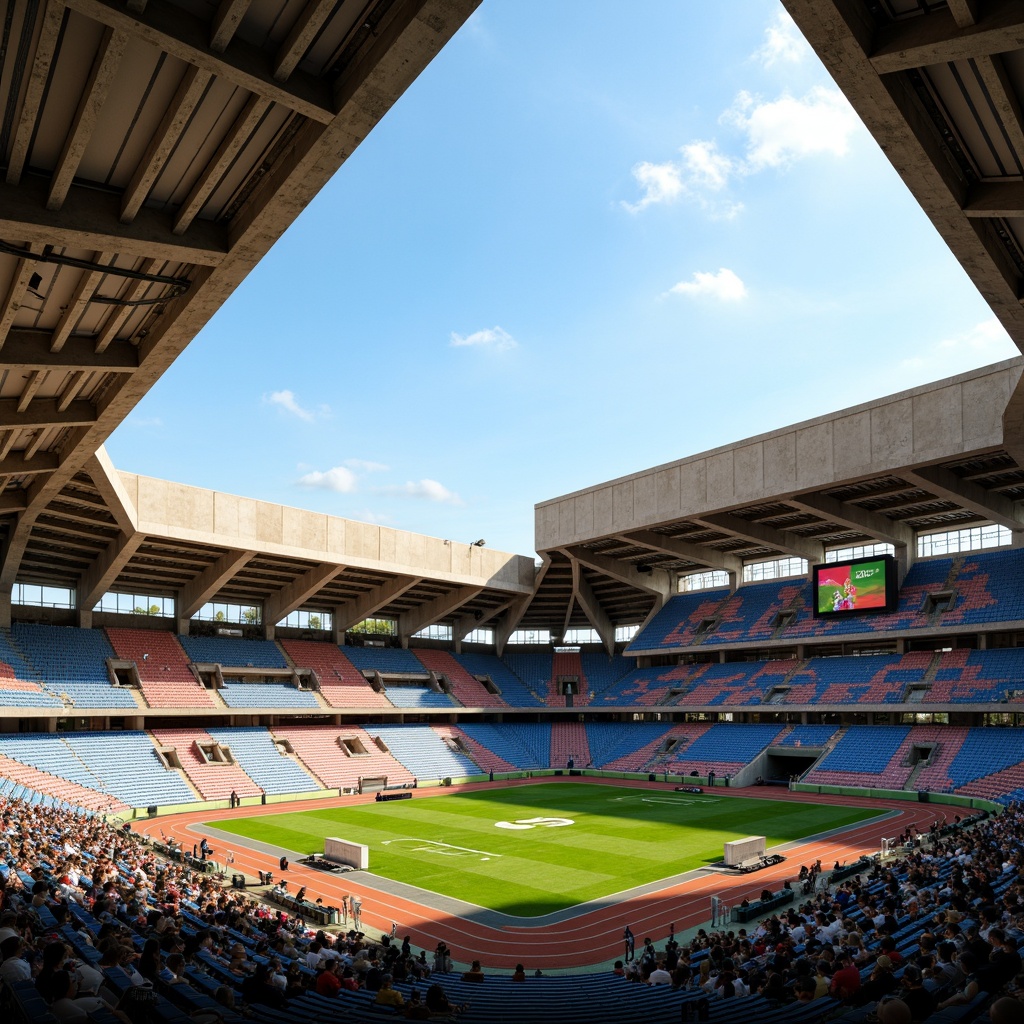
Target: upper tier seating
[(146, 782), (466, 689), (336, 765), (342, 685), (23, 693), (214, 780), (513, 691), (533, 669), (423, 751), (385, 660), (162, 664), (262, 760), (863, 752), (233, 652), (525, 745), (238, 694), (418, 696), (603, 672), (984, 584)]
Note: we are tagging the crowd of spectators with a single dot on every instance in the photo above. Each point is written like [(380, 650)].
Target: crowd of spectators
[(95, 922)]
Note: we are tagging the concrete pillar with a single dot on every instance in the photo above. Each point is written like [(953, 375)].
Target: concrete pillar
[(5, 608), (268, 630), (183, 627), (83, 617)]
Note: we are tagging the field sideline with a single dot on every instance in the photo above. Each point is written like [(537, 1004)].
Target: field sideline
[(576, 939), (534, 850)]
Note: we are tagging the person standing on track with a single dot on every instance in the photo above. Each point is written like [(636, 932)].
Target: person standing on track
[(630, 942), (344, 908), (357, 910)]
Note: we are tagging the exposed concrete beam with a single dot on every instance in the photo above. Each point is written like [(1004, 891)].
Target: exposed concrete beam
[(698, 553), (301, 37), (23, 272), (94, 95), (937, 39), (180, 33), (871, 523), (89, 220), (132, 291), (76, 306), (788, 543), (986, 504), (190, 91), (348, 615), (225, 23), (210, 581), (995, 199), (246, 122), (298, 592), (511, 619), (656, 582), (465, 624), (965, 12), (31, 350), (105, 570), (115, 497), (595, 613), (44, 412), (412, 621), (15, 464), (992, 71), (42, 62)]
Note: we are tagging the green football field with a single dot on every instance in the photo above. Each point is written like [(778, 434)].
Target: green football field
[(531, 850)]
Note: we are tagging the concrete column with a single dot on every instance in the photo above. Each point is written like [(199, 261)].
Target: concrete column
[(183, 627), (84, 618), (5, 608), (268, 630)]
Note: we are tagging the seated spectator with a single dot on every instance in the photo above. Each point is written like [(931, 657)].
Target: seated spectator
[(387, 996), (475, 973), (67, 1004), (438, 1003), (520, 973)]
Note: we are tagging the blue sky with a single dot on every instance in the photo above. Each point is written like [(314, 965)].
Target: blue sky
[(580, 245)]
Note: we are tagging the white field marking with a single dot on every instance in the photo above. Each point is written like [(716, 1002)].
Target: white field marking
[(522, 823), (680, 800), (442, 849)]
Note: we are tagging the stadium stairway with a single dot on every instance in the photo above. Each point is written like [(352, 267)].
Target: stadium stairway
[(340, 756), (213, 780), (569, 740), (483, 756), (467, 689), (934, 777), (342, 685), (568, 664), (163, 667)]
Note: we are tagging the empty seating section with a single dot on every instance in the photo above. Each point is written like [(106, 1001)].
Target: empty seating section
[(412, 695), (129, 768), (342, 685), (164, 675), (752, 613), (934, 777), (13, 663), (627, 746), (214, 780), (569, 742), (733, 683), (862, 752), (677, 623), (723, 748), (513, 692), (384, 660), (807, 736), (23, 693), (340, 757), (52, 755), (486, 758), (986, 752), (234, 652), (603, 672), (263, 761), (840, 680), (237, 694), (467, 690), (423, 751), (59, 788), (533, 669), (523, 745)]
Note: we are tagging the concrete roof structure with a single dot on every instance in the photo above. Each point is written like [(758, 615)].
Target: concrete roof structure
[(154, 150)]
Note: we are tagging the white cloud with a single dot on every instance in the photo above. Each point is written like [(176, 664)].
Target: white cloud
[(494, 338), (785, 130), (286, 400), (366, 467), (724, 286), (783, 43), (338, 479), (985, 342), (771, 134), (429, 490)]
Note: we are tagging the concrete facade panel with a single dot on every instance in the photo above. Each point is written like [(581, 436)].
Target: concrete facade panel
[(779, 458), (981, 407), (603, 511), (721, 482), (336, 534), (851, 444), (814, 454), (938, 421), (892, 432), (645, 498), (364, 540), (693, 486), (583, 507), (622, 505), (667, 492), (567, 518), (748, 470), (269, 523)]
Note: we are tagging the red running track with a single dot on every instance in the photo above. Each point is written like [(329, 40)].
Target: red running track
[(592, 937)]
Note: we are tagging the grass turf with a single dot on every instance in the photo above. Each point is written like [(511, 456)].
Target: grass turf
[(619, 838)]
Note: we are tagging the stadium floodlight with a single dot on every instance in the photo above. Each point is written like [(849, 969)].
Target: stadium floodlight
[(478, 543)]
